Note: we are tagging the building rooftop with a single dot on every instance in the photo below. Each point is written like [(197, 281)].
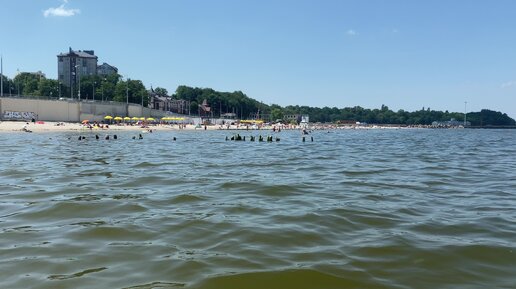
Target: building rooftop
[(79, 53)]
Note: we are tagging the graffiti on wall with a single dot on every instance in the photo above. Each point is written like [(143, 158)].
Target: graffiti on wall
[(18, 115)]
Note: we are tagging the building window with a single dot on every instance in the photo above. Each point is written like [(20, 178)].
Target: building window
[(61, 76)]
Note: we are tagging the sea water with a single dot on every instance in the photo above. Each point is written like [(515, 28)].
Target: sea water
[(406, 208)]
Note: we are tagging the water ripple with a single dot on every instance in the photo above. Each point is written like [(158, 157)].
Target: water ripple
[(352, 209)]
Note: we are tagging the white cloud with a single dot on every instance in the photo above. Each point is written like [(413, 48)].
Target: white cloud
[(351, 32), (508, 84), (61, 11)]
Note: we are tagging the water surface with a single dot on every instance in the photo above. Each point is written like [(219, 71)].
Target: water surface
[(353, 209)]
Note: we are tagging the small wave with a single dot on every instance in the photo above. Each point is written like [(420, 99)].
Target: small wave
[(187, 198), (76, 275), (157, 284), (299, 279)]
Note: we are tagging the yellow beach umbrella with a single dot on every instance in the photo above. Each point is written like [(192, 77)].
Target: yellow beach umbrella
[(166, 118), (151, 119), (142, 118), (135, 118), (108, 117), (127, 118), (118, 118)]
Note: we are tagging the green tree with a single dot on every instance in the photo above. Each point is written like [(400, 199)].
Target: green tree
[(161, 91), (48, 88)]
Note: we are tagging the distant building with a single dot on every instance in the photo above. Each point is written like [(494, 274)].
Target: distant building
[(73, 65), (106, 69), (450, 123), (37, 74), (298, 118), (159, 102), (167, 103)]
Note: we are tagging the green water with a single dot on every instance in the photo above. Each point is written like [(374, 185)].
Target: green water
[(353, 209)]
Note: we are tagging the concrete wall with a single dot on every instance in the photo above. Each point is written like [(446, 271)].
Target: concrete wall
[(69, 110)]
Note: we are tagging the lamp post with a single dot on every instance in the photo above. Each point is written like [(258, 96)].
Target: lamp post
[(71, 84), (94, 90), (127, 95), (59, 83), (18, 82), (1, 76), (78, 75), (465, 103), (103, 83)]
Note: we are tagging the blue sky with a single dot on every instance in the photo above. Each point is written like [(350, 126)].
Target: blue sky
[(404, 54)]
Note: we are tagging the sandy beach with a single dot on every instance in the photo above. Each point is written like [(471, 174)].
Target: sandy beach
[(49, 126)]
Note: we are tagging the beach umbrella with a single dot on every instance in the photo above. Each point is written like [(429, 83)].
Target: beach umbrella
[(151, 119), (135, 118), (108, 117), (166, 118), (118, 118), (127, 118), (142, 118)]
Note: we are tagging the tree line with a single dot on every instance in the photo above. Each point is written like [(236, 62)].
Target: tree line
[(245, 107), (114, 88), (92, 87)]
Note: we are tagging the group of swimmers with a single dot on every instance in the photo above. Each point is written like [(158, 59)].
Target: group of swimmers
[(269, 138), (115, 137), (107, 137), (238, 137)]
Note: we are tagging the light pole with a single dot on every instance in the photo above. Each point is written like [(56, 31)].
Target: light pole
[(103, 83), (465, 103), (71, 83), (18, 82), (143, 92), (59, 89), (1, 76), (94, 90), (78, 75), (127, 95)]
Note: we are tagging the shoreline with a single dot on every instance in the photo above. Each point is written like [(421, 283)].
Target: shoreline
[(52, 126)]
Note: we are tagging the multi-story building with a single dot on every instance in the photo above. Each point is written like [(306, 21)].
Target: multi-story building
[(73, 65), (106, 69)]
